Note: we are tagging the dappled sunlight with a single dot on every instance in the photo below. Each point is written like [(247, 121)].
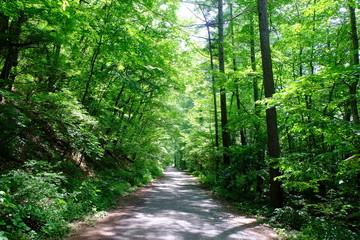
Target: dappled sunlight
[(176, 208)]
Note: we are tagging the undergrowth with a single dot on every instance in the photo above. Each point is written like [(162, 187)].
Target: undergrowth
[(54, 170), (35, 204), (325, 220)]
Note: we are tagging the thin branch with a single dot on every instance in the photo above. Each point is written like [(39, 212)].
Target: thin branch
[(243, 12)]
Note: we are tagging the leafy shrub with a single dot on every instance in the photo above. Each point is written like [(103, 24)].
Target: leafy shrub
[(82, 200), (12, 124), (208, 179), (111, 185), (321, 228), (76, 125), (289, 217), (251, 207), (35, 204), (32, 203)]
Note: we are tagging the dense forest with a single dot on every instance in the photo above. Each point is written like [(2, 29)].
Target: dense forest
[(258, 99)]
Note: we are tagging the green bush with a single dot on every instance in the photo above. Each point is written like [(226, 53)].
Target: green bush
[(32, 203), (208, 179), (111, 184), (12, 124), (82, 199), (76, 126), (288, 217), (321, 229), (37, 202)]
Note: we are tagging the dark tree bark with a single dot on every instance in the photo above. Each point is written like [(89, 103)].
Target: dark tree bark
[(12, 52), (216, 121), (54, 75), (92, 69), (276, 192), (253, 61), (226, 142), (355, 45), (4, 25)]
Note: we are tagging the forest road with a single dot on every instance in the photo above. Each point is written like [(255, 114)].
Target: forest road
[(173, 207)]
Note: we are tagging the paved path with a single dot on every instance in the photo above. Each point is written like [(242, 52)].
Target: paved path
[(174, 208)]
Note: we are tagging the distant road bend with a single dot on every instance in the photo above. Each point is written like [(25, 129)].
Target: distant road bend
[(174, 208)]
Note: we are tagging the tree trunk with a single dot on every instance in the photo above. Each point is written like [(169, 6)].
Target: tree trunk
[(54, 75), (92, 69), (237, 94), (11, 60), (276, 193), (213, 87), (355, 46), (4, 25), (253, 63), (225, 131), (116, 104)]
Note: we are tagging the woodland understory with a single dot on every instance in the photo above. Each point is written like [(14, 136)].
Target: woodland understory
[(258, 99)]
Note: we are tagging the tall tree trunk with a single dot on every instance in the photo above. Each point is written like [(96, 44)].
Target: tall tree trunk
[(226, 142), (92, 70), (54, 75), (257, 135), (253, 61), (116, 104), (255, 81), (237, 94), (213, 86), (4, 25), (216, 121), (216, 118), (355, 45), (12, 53), (276, 193)]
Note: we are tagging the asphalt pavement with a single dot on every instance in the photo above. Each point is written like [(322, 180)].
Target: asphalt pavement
[(174, 208)]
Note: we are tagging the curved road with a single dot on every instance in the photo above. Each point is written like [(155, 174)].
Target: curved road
[(174, 208)]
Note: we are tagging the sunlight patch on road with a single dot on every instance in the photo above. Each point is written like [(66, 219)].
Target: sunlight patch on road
[(176, 208)]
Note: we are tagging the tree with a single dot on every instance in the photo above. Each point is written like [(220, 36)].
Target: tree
[(355, 47), (212, 67), (236, 92), (226, 141), (276, 193), (13, 31)]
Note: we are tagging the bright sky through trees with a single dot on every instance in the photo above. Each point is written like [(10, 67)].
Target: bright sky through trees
[(193, 21), (186, 11)]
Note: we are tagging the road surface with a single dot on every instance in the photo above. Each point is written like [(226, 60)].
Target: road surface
[(174, 208)]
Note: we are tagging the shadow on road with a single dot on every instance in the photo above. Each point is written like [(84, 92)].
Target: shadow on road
[(174, 207)]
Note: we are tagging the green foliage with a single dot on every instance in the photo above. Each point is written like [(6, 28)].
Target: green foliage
[(36, 202), (83, 199), (315, 77), (208, 180), (87, 100), (320, 228), (76, 125), (13, 123), (101, 95), (245, 177), (32, 203), (290, 218), (250, 207)]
